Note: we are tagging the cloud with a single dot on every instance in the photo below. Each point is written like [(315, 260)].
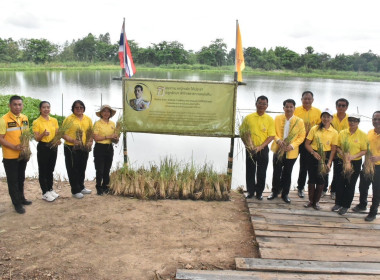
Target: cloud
[(26, 20)]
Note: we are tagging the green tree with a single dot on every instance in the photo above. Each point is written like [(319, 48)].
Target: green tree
[(288, 59), (215, 54), (9, 50), (253, 57), (85, 49), (40, 50)]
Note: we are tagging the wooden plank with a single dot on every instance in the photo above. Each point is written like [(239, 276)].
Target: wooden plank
[(295, 266), (318, 252), (371, 236), (312, 223), (254, 275), (356, 242)]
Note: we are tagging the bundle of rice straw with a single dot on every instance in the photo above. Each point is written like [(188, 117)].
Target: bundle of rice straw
[(369, 165), (78, 136), (59, 134), (347, 166), (246, 137), (322, 167), (25, 138), (119, 128), (216, 183), (293, 133), (89, 138)]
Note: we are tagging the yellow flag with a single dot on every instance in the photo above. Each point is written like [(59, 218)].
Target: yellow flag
[(240, 65)]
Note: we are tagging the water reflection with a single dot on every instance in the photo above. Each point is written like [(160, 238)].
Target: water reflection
[(61, 88)]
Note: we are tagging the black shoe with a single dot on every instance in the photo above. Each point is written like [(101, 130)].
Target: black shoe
[(26, 202), (342, 211), (272, 196), (286, 198), (358, 208), (301, 193), (19, 209), (370, 217), (259, 197), (250, 196)]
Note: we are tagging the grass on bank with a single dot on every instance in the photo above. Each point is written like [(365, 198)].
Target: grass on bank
[(303, 73)]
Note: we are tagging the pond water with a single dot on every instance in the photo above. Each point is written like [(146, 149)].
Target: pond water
[(61, 88)]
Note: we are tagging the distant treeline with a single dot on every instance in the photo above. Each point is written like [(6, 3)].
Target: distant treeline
[(100, 49)]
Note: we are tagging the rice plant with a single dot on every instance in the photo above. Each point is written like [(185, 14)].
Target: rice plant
[(369, 165), (293, 133), (347, 166), (322, 167), (59, 134), (25, 138)]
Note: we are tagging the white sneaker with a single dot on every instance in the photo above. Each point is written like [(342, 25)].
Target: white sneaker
[(48, 197), (54, 194), (78, 195), (86, 191)]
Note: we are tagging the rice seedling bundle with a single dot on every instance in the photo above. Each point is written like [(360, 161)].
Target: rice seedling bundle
[(347, 166), (185, 192), (293, 133), (368, 166), (89, 138), (78, 136), (25, 138), (161, 188), (150, 192), (59, 134), (208, 191), (246, 137), (322, 167)]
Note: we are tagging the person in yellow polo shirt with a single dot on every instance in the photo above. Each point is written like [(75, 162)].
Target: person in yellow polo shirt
[(45, 128), (77, 147), (356, 141), (326, 136), (339, 122), (11, 125), (257, 131), (290, 133), (311, 116), (104, 135), (374, 145)]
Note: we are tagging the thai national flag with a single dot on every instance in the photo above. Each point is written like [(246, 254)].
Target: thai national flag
[(125, 55)]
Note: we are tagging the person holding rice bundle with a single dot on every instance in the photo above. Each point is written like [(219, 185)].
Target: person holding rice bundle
[(45, 128), (352, 145), (290, 133), (104, 135), (78, 142), (12, 125), (257, 131), (371, 172), (339, 122), (321, 143), (311, 116)]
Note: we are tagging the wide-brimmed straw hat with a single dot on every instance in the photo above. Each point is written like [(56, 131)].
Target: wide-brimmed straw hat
[(113, 112)]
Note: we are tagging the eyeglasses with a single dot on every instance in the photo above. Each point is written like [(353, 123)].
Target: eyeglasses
[(79, 107), (341, 105)]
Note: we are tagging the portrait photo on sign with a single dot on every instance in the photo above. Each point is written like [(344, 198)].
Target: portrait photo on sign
[(139, 97)]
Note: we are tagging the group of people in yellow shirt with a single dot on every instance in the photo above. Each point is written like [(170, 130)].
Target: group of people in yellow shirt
[(78, 132), (322, 139)]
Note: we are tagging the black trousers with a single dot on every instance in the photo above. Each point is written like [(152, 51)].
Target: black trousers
[(15, 172), (256, 164), (335, 176), (103, 156), (303, 167), (46, 158), (364, 186), (313, 170), (345, 188), (76, 163), (282, 175)]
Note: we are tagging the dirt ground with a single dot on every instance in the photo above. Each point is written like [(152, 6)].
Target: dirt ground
[(111, 237)]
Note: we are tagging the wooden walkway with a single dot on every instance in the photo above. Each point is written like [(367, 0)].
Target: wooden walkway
[(302, 243)]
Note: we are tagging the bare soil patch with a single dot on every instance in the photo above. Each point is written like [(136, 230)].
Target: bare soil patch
[(113, 237)]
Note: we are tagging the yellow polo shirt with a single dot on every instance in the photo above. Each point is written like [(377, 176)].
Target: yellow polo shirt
[(51, 125), (83, 125), (260, 127), (296, 128), (103, 128), (339, 125), (327, 137), (374, 144), (357, 141), (310, 117)]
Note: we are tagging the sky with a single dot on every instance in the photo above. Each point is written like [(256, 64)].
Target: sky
[(332, 27)]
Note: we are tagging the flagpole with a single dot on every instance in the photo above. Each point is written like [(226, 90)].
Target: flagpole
[(236, 35), (125, 149)]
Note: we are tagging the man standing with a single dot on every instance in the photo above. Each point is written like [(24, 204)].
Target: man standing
[(339, 122), (290, 133), (257, 131), (11, 126), (311, 116), (374, 145)]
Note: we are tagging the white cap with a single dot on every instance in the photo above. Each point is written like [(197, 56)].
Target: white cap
[(328, 111), (356, 116)]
